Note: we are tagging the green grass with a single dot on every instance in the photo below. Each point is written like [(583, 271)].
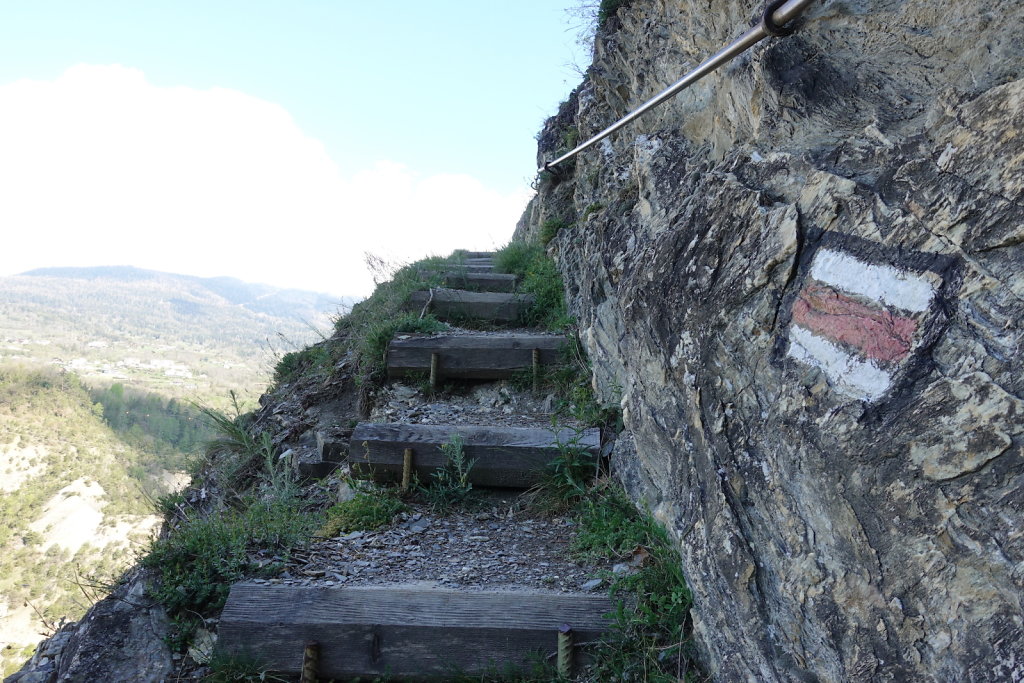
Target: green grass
[(205, 554), (378, 333), (373, 322), (208, 550), (365, 512), (317, 358), (565, 480), (538, 276), (651, 640)]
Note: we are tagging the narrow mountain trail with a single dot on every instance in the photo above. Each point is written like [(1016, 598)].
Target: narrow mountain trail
[(479, 583)]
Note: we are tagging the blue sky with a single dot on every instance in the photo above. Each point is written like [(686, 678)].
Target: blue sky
[(143, 132)]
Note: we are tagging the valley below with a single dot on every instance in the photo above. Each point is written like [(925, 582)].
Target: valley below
[(101, 373)]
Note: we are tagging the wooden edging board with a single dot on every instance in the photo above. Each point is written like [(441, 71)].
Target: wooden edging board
[(401, 630), (478, 356), (458, 303), (507, 457)]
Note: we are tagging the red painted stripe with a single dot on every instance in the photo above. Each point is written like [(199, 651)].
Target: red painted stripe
[(875, 332)]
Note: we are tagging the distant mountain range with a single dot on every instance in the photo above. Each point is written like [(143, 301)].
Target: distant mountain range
[(296, 304), (179, 335)]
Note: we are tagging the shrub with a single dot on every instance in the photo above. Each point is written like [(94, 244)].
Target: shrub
[(449, 485), (608, 8)]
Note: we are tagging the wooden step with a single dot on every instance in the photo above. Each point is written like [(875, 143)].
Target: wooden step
[(459, 304), (505, 457), (476, 282), (404, 631), (476, 254), (476, 356)]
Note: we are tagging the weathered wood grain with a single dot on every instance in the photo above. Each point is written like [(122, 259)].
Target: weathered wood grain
[(403, 631), (455, 304), (506, 457), (474, 281), (472, 356)]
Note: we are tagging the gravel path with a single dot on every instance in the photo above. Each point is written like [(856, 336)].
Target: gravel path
[(499, 543)]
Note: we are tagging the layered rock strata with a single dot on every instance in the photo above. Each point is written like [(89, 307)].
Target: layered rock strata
[(803, 281)]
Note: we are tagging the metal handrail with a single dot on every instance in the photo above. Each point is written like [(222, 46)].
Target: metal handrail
[(773, 23)]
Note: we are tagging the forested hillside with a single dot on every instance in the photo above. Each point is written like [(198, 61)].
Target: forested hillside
[(80, 471)]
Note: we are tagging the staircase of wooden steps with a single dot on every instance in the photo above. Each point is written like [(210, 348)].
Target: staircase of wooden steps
[(407, 631), (471, 356), (401, 631), (460, 305), (503, 457), (475, 281)]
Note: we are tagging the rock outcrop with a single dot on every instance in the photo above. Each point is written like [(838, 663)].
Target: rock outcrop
[(121, 638), (803, 281)]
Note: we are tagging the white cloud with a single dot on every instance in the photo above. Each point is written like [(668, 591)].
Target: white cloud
[(100, 167)]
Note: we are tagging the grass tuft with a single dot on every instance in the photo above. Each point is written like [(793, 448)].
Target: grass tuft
[(652, 638), (538, 276), (365, 512)]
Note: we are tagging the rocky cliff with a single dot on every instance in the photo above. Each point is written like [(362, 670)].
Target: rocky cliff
[(803, 281)]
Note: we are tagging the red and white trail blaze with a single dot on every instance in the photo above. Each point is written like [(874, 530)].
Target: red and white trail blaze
[(857, 321)]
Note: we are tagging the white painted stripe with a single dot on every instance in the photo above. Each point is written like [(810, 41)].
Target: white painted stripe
[(849, 375), (892, 286)]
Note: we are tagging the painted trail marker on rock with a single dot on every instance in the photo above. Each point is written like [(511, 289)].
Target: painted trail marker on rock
[(504, 457), (859, 322), (476, 356), (404, 630)]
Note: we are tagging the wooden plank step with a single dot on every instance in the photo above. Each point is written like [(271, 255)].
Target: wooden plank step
[(476, 356), (477, 281), (476, 254), (404, 631), (458, 304), (505, 457)]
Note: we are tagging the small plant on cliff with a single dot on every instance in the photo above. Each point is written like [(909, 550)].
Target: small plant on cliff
[(449, 485), (608, 8), (550, 228), (239, 459)]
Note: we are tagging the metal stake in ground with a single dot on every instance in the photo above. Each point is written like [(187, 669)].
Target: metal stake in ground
[(406, 470), (310, 663), (565, 650), (435, 362)]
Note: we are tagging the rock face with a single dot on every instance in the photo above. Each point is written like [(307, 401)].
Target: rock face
[(120, 638), (803, 280)]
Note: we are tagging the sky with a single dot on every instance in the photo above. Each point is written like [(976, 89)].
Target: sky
[(276, 142)]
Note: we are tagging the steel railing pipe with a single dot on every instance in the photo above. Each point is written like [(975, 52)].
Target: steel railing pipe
[(773, 23)]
